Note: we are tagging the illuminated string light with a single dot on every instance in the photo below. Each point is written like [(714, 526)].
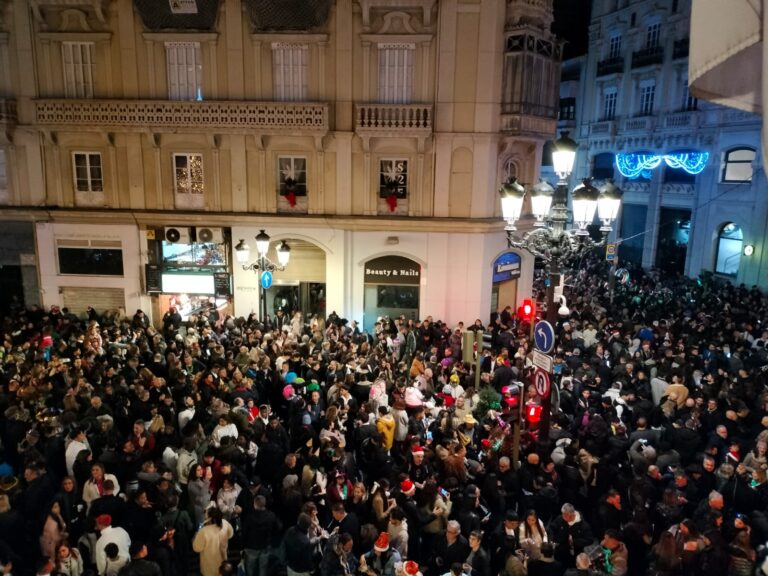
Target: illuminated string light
[(635, 165)]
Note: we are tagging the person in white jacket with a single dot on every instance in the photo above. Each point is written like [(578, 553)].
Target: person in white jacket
[(109, 534), (77, 443), (94, 487)]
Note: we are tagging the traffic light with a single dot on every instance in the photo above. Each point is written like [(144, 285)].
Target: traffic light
[(526, 310), (533, 414)]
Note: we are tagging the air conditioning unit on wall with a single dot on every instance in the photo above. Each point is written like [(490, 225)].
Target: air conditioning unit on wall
[(210, 235), (177, 235)]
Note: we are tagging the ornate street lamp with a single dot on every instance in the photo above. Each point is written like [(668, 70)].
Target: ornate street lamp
[(263, 264), (550, 239)]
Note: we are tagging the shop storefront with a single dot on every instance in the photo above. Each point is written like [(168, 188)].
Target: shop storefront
[(189, 270), (391, 288), (506, 271)]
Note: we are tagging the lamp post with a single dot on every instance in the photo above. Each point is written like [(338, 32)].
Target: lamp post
[(550, 239), (263, 265)]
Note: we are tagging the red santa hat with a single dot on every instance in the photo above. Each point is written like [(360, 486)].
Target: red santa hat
[(416, 450), (411, 568), (382, 543), (407, 487)]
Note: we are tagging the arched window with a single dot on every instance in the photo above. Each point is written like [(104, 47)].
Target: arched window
[(730, 243), (737, 165), (510, 169)]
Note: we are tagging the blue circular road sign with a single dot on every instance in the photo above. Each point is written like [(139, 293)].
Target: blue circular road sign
[(544, 336), (266, 279)]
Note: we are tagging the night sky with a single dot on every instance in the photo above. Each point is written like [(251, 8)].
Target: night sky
[(572, 24)]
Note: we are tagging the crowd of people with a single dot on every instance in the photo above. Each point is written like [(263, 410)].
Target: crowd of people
[(227, 445)]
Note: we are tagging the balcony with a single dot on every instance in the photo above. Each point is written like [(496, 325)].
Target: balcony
[(680, 48), (687, 119), (648, 57), (610, 66), (603, 128), (639, 124), (393, 119), (223, 116)]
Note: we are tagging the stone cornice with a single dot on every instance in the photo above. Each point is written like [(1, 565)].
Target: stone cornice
[(160, 218)]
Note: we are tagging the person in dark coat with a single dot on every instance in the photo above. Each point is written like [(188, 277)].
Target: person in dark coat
[(449, 547), (504, 541), (260, 527), (546, 565), (570, 534), (478, 557), (298, 548)]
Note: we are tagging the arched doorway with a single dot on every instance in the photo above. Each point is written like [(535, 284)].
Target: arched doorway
[(391, 289), (301, 286)]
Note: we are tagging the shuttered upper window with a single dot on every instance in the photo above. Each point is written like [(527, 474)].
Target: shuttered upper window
[(396, 73), (77, 60), (289, 71), (185, 70)]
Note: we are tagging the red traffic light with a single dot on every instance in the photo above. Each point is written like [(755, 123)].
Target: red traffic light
[(526, 309), (533, 413)]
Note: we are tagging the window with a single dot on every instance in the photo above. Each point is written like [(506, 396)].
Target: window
[(647, 96), (188, 174), (77, 58), (289, 72), (292, 183), (609, 104), (602, 166), (652, 35), (689, 102), (395, 73), (510, 168), (393, 179), (87, 172), (567, 109), (90, 261), (185, 70), (737, 165), (730, 243), (614, 48), (633, 19), (675, 6)]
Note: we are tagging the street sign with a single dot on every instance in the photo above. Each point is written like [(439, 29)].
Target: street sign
[(610, 252), (266, 279), (543, 361), (541, 382), (544, 336)]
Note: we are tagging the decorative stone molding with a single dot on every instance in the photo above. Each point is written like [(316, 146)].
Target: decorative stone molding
[(635, 186), (95, 7), (639, 124), (229, 116), (426, 7), (677, 188)]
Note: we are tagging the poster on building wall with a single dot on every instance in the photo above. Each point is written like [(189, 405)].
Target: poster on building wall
[(506, 267), (392, 270)]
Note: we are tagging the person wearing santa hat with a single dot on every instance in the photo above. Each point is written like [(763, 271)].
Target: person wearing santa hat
[(419, 470), (108, 534), (409, 568), (381, 560)]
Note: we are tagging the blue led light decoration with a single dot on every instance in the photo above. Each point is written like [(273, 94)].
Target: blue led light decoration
[(635, 165)]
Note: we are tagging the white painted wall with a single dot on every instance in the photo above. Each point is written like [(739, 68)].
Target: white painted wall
[(455, 280), (134, 254)]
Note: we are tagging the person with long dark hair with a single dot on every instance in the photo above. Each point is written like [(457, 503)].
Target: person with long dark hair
[(212, 542)]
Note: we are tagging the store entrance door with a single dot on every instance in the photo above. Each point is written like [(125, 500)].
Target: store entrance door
[(506, 271), (392, 285)]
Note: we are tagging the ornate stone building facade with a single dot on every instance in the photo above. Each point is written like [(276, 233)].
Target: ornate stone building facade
[(142, 139)]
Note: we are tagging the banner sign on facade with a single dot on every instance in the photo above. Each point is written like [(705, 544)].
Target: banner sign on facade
[(506, 267), (392, 270)]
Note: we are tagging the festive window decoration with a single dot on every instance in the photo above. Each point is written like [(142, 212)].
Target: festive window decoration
[(393, 182), (636, 165), (293, 178)]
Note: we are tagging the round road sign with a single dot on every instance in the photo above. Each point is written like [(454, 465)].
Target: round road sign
[(541, 381)]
